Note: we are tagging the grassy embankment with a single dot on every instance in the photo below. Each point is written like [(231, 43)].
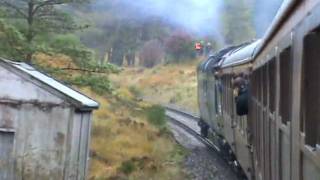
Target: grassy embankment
[(163, 84), (130, 139)]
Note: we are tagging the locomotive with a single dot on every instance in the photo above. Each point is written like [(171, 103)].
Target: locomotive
[(278, 138)]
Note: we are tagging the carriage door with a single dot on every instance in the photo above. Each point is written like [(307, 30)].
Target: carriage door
[(6, 159)]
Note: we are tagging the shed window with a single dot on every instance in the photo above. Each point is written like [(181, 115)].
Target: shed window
[(285, 85), (311, 88)]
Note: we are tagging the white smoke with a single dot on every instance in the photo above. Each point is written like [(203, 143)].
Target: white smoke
[(201, 17)]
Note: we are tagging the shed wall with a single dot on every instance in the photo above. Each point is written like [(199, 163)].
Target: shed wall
[(47, 139), (40, 139), (80, 146), (17, 88)]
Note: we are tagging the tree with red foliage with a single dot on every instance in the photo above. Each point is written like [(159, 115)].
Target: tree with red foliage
[(179, 46)]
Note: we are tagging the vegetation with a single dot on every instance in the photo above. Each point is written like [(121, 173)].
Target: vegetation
[(238, 25), (125, 145), (179, 47), (34, 19), (156, 115), (163, 84)]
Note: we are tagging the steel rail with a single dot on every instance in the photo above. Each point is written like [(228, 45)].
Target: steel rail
[(191, 131), (211, 146)]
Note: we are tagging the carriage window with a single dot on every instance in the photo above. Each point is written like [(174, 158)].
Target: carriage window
[(272, 84), (259, 88), (264, 85), (285, 85), (311, 88), (216, 98)]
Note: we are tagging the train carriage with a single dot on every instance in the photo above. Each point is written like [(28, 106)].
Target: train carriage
[(216, 99), (285, 103), (236, 128), (280, 137)]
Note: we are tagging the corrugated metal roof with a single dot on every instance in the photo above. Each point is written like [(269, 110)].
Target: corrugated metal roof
[(242, 55), (85, 101)]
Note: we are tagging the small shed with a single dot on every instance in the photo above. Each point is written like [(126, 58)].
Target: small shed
[(44, 126)]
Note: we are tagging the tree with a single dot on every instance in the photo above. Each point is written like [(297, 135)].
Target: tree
[(38, 17), (179, 46), (12, 41), (238, 21), (120, 30), (151, 54)]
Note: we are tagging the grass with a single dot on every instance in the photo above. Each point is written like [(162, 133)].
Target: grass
[(130, 139), (163, 84), (132, 143), (156, 115)]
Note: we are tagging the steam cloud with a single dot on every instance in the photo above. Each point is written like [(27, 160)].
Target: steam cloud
[(201, 17)]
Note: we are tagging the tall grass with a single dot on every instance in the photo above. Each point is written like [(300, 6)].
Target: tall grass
[(156, 115)]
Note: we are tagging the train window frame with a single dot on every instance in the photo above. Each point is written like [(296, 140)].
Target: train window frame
[(272, 84), (286, 81), (309, 113)]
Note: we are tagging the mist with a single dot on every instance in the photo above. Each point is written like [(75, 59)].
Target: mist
[(199, 17)]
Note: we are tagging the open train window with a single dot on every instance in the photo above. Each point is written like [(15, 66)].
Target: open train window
[(259, 88), (285, 85), (264, 84), (311, 88), (272, 84)]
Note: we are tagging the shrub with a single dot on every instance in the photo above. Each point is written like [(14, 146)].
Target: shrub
[(156, 115), (127, 167)]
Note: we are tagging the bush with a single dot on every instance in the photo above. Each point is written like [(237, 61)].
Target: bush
[(156, 115), (127, 167)]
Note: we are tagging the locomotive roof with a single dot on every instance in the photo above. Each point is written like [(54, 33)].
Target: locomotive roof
[(214, 59), (76, 98), (242, 55)]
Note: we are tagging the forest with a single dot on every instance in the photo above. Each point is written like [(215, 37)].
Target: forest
[(96, 32)]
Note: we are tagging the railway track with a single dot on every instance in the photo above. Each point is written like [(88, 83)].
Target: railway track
[(188, 122)]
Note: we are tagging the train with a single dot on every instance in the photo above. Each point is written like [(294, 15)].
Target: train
[(259, 101)]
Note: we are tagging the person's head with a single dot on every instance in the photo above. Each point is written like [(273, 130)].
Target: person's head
[(238, 82)]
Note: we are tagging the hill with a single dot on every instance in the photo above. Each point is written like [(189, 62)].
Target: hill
[(164, 84)]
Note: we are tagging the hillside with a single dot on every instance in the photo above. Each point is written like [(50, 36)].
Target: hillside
[(164, 84), (130, 138)]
